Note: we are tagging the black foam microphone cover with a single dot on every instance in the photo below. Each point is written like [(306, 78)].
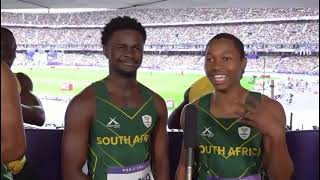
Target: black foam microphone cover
[(190, 128)]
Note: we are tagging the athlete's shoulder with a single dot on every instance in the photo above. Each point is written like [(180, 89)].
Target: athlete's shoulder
[(274, 107), (145, 87), (24, 81), (97, 83), (7, 77), (87, 95), (158, 101), (83, 105), (22, 75), (267, 101), (150, 91), (5, 70)]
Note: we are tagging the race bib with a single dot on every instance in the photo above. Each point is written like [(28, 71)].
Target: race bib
[(252, 177), (135, 172)]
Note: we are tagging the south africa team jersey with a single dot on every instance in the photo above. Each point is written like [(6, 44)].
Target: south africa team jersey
[(227, 148), (120, 137)]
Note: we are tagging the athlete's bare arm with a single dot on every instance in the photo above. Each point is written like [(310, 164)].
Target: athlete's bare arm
[(269, 118), (181, 169), (32, 109), (78, 118), (160, 141), (13, 142), (276, 157)]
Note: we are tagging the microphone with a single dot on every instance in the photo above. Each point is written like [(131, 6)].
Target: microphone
[(190, 136)]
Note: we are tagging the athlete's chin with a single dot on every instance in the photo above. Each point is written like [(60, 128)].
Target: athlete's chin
[(126, 73), (220, 87), (221, 90)]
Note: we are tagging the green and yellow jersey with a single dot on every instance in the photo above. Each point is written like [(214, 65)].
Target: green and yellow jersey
[(120, 137), (227, 148)]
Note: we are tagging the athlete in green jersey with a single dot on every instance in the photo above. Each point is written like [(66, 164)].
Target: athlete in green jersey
[(221, 158), (117, 124), (241, 134), (120, 136)]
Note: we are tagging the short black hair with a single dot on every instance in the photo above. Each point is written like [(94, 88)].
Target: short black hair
[(237, 42), (121, 23), (6, 35), (7, 43), (6, 31)]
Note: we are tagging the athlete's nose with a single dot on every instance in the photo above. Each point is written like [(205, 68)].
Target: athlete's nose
[(129, 52)]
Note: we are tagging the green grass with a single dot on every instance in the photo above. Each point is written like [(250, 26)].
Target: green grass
[(48, 81)]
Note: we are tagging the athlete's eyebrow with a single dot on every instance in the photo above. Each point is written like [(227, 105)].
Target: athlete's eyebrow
[(119, 43)]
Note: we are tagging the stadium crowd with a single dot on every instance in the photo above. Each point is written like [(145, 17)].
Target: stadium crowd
[(266, 34), (151, 16), (251, 33)]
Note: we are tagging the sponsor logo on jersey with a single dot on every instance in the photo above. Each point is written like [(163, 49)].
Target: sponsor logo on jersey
[(113, 123), (207, 133), (244, 132), (147, 120)]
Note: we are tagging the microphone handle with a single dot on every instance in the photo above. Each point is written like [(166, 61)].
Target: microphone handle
[(189, 163), (189, 173)]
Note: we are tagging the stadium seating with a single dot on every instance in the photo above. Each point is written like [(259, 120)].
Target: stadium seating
[(149, 16), (77, 40), (304, 32)]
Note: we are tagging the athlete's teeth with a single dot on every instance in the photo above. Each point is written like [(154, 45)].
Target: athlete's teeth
[(219, 76)]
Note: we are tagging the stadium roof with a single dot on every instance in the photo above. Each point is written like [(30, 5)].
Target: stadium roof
[(124, 4)]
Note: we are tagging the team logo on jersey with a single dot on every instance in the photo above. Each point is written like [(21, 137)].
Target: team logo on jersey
[(113, 123), (207, 133), (147, 120), (244, 132)]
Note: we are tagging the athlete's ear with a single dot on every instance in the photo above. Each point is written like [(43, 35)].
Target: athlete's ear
[(105, 51), (243, 64)]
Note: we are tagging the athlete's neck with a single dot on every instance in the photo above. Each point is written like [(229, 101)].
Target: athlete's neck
[(224, 98), (121, 82)]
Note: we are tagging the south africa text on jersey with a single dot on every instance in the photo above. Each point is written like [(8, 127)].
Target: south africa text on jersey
[(129, 140), (231, 151)]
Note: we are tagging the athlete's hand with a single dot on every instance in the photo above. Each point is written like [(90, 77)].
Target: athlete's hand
[(261, 117)]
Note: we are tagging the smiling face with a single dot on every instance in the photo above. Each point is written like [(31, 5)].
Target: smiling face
[(124, 51), (224, 64)]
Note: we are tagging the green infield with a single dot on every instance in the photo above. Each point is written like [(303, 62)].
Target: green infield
[(169, 85)]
